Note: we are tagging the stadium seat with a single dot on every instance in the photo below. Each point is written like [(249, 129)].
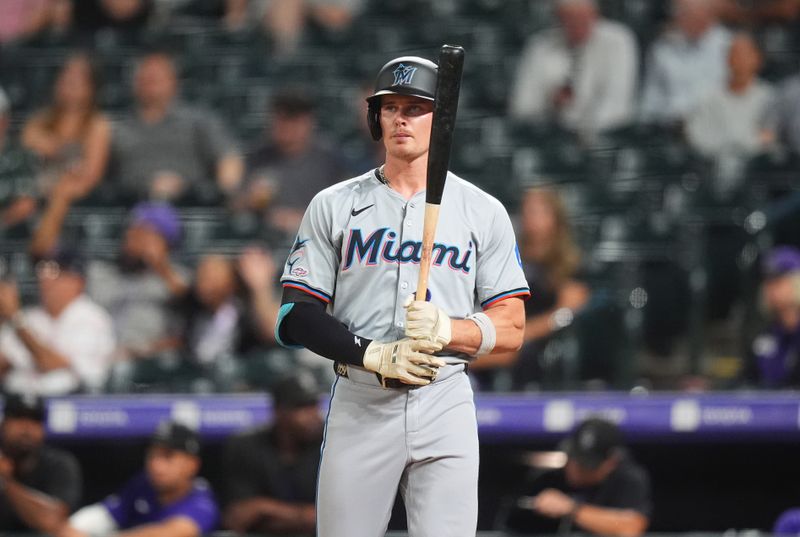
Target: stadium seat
[(15, 264), (98, 230), (200, 226), (165, 374), (547, 153)]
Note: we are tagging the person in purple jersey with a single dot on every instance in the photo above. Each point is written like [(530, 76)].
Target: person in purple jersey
[(775, 350), (167, 499)]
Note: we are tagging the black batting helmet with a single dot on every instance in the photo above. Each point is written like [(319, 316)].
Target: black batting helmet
[(407, 75)]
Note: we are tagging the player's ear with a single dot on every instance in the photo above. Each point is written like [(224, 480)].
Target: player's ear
[(194, 462), (374, 119)]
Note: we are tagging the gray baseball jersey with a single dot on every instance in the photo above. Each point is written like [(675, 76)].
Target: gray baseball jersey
[(359, 246), (358, 249)]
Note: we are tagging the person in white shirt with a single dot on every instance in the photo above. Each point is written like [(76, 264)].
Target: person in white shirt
[(733, 121), (686, 64), (786, 114), (65, 344), (582, 74)]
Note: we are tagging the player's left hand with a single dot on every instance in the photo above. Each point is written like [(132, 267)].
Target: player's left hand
[(553, 503), (426, 321)]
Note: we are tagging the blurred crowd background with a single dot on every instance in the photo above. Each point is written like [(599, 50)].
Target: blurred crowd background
[(156, 157), (164, 151)]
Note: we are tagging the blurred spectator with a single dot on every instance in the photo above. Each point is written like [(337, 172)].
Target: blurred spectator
[(786, 114), (231, 309), (70, 136), (124, 15), (359, 149), (41, 484), (241, 15), (213, 313), (582, 74), (733, 122), (601, 490), (61, 346), (17, 200), (271, 472), (256, 268), (21, 19), (167, 499), (285, 21), (139, 288), (334, 15), (168, 149), (165, 12), (551, 262), (775, 350), (292, 165), (758, 12), (62, 18), (686, 64)]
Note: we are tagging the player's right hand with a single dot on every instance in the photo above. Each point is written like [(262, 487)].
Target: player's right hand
[(426, 321), (408, 360)]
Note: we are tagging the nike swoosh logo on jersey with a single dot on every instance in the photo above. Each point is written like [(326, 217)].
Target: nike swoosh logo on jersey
[(355, 212)]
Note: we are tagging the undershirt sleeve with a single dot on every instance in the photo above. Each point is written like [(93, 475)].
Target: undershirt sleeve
[(304, 322)]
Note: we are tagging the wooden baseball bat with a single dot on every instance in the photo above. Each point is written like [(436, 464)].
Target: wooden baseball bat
[(445, 106)]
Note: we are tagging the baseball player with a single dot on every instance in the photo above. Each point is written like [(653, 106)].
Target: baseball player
[(401, 413)]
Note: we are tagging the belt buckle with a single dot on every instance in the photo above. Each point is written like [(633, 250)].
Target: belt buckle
[(392, 383), (389, 382), (340, 368)]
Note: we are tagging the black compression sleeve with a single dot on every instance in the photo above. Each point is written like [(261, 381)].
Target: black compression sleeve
[(309, 325)]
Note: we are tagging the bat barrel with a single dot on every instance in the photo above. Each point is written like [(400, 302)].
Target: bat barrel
[(445, 106)]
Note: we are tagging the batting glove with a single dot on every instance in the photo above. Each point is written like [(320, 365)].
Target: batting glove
[(408, 360), (427, 322)]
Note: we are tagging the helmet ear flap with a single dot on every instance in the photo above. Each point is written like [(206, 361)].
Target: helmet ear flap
[(374, 120)]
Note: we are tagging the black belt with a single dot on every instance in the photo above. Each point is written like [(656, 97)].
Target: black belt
[(340, 368)]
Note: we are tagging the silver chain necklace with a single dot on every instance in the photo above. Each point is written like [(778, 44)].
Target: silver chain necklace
[(382, 175)]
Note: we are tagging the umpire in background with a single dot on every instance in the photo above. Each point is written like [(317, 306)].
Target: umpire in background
[(39, 485), (600, 490), (270, 472)]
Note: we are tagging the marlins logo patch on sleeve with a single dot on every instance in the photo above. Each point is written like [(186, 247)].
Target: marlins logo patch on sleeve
[(295, 255)]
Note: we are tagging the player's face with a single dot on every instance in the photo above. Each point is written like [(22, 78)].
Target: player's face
[(303, 423), (406, 124), (170, 469), (781, 295), (580, 477), (21, 436)]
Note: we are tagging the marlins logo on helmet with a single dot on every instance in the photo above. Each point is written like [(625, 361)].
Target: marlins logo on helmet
[(403, 75)]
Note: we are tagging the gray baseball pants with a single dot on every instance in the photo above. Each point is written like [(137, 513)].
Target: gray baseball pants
[(421, 441)]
